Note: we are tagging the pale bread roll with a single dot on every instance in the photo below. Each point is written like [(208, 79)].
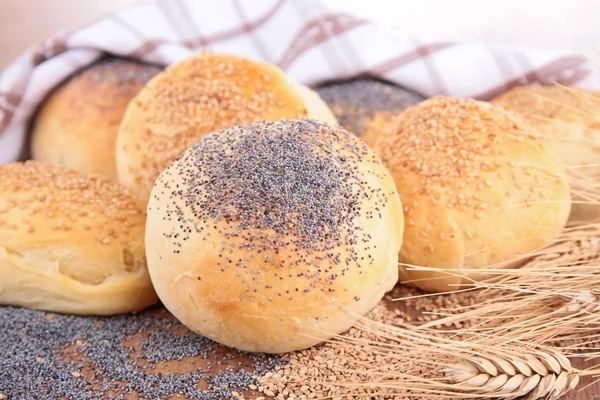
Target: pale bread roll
[(477, 190), (70, 243), (77, 124), (274, 236), (317, 108), (195, 97)]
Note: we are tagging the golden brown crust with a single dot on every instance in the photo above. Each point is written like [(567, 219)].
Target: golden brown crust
[(77, 125), (191, 99), (70, 242), (477, 190), (568, 117), (374, 127), (274, 236)]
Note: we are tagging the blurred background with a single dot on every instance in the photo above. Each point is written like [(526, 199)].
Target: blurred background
[(559, 24)]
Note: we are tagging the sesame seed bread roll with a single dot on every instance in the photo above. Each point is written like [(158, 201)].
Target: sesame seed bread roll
[(274, 236), (477, 190), (366, 107), (70, 243), (569, 118), (77, 124), (193, 98)]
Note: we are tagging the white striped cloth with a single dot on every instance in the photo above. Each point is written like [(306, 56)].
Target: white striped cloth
[(310, 42)]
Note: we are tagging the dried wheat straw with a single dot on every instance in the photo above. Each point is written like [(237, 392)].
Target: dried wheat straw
[(553, 298), (381, 360)]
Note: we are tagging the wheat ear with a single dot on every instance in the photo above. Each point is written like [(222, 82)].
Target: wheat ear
[(544, 375), (420, 364)]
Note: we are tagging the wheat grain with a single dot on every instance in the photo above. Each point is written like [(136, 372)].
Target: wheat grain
[(378, 359)]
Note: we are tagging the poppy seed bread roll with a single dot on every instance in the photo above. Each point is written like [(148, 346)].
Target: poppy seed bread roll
[(70, 243), (196, 97), (274, 236), (366, 107), (477, 190), (77, 124)]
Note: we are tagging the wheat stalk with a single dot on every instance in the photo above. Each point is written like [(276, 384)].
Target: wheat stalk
[(554, 297), (472, 367), (380, 360)]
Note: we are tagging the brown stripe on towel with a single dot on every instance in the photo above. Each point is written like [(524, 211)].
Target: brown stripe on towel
[(13, 100), (49, 49), (204, 40), (309, 37), (548, 74), (249, 27), (434, 73), (390, 65)]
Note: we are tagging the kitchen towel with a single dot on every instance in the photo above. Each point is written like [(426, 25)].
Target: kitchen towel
[(312, 43)]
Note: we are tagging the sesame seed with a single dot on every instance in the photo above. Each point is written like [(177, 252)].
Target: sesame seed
[(197, 96), (57, 190)]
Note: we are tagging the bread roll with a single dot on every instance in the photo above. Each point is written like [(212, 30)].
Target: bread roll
[(70, 243), (569, 119), (193, 98), (477, 190), (316, 107), (274, 236), (367, 106), (77, 124)]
